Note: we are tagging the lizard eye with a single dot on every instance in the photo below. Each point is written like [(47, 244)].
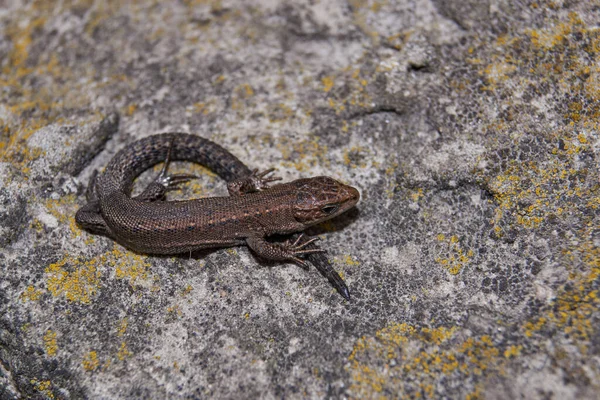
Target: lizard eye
[(330, 208)]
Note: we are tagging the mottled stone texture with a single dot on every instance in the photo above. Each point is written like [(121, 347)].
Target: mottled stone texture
[(470, 127)]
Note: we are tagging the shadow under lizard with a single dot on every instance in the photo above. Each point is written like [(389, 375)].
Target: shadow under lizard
[(253, 210)]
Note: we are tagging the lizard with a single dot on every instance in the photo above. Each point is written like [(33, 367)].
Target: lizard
[(253, 211)]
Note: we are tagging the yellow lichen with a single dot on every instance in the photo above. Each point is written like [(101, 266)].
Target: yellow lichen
[(41, 105), (63, 209), (175, 311), (280, 113), (328, 83), (90, 361), (425, 355), (78, 284), (497, 72), (533, 192), (44, 387), (402, 353), (131, 109), (303, 154), (79, 280), (416, 195), (513, 351), (130, 266), (455, 257), (475, 395), (50, 343), (21, 42), (355, 157), (240, 96), (205, 107), (573, 310), (349, 260), (247, 90), (122, 327), (31, 294), (123, 352), (187, 290)]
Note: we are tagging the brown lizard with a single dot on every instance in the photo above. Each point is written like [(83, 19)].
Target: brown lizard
[(253, 211)]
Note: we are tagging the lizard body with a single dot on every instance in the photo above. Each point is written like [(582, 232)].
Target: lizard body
[(253, 211)]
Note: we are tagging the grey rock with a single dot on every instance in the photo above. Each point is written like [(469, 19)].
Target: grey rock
[(68, 148), (470, 129)]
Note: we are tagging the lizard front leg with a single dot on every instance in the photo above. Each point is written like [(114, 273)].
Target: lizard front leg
[(286, 251), (255, 182)]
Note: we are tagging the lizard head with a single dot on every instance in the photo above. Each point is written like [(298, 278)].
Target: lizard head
[(321, 198)]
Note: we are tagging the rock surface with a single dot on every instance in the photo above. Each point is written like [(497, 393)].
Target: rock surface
[(471, 129)]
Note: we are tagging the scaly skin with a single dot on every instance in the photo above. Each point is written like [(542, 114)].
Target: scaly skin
[(252, 212)]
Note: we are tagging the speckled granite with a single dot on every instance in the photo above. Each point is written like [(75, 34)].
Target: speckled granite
[(471, 129)]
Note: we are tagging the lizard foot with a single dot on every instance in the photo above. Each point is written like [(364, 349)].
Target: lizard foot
[(170, 182), (255, 182), (296, 248), (290, 250), (164, 182)]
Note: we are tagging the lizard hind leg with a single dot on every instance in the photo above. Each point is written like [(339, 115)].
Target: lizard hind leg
[(292, 249), (164, 182)]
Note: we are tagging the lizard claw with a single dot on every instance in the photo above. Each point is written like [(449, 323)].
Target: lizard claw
[(259, 181), (261, 175), (300, 262), (295, 249), (301, 246), (170, 182)]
